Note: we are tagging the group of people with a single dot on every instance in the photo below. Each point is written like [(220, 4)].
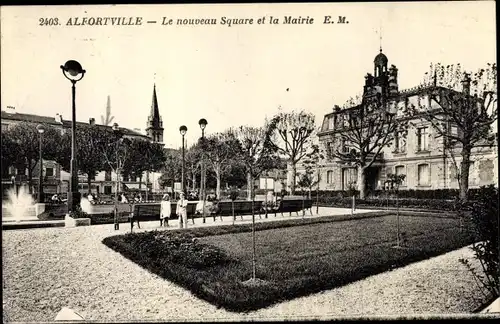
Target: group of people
[(181, 211)]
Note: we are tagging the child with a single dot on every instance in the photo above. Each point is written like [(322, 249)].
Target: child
[(182, 210), (165, 210)]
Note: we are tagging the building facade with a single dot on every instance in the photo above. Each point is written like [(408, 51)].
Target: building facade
[(418, 153), (56, 180)]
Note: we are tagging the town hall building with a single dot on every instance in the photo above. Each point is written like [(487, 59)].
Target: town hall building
[(419, 154)]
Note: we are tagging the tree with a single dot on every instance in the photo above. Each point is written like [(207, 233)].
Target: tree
[(27, 145), (394, 181), (145, 156), (9, 152), (117, 152), (193, 164), (172, 169), (364, 131), (255, 152), (220, 149), (484, 221), (290, 136), (462, 118), (311, 164), (91, 142)]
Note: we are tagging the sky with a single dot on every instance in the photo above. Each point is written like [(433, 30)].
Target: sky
[(231, 76)]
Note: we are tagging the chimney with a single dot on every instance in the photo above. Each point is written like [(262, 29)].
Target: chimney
[(92, 121)]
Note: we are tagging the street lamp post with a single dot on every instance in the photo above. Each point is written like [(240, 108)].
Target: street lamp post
[(76, 73), (40, 130), (203, 123), (183, 130), (116, 131)]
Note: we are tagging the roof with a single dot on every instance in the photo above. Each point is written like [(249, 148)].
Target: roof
[(402, 94), (380, 58), (65, 123)]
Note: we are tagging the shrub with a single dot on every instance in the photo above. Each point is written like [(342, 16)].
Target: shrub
[(433, 204), (171, 247), (483, 217)]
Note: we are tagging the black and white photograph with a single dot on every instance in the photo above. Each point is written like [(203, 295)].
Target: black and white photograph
[(249, 162)]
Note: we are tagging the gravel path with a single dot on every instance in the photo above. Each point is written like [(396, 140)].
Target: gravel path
[(47, 269)]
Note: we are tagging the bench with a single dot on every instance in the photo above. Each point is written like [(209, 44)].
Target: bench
[(144, 212), (241, 207), (293, 206), (151, 211)]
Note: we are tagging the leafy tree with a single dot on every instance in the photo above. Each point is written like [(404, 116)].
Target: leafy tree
[(145, 156), (24, 137), (465, 110), (290, 135), (91, 142), (9, 152), (483, 217), (172, 169), (236, 177)]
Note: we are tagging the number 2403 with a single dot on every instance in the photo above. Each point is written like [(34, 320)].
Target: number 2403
[(48, 21)]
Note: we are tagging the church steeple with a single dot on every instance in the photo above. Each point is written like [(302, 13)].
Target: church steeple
[(155, 124)]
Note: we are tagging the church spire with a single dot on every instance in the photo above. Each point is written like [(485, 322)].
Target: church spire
[(155, 125), (154, 115)]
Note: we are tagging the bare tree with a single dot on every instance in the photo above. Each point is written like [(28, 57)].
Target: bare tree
[(364, 131), (290, 136), (255, 152), (311, 164), (465, 109), (220, 149)]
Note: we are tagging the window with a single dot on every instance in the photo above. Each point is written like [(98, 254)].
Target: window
[(423, 139), (21, 171), (346, 147), (400, 170), (330, 123), (399, 142), (349, 177), (107, 190), (423, 175), (346, 120), (329, 148), (329, 177), (49, 172)]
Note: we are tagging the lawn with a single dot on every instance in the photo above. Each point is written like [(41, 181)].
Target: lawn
[(294, 261)]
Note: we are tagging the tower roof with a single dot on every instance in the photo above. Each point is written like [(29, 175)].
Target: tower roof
[(154, 115), (380, 59)]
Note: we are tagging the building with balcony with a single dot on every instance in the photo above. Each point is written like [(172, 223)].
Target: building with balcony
[(418, 153)]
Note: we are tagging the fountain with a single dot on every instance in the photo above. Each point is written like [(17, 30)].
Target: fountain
[(19, 206), (85, 205)]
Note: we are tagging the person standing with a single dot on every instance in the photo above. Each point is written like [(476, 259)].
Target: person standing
[(165, 210), (182, 210)]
